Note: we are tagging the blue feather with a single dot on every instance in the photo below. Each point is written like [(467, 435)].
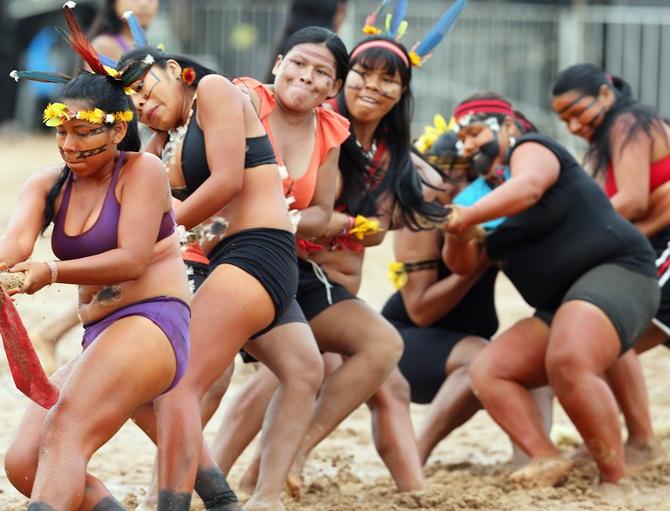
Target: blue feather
[(139, 37), (106, 61), (440, 29), (40, 76), (399, 12)]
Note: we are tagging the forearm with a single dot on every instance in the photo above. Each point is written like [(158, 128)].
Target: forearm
[(12, 252), (462, 255), (314, 221), (439, 299), (508, 199), (627, 207), (205, 202), (112, 267)]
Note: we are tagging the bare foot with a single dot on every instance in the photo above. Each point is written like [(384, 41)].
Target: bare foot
[(617, 493), (149, 503), (263, 505), (247, 483), (543, 472), (642, 454), (294, 477), (581, 454)]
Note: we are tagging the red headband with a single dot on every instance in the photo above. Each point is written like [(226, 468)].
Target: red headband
[(379, 43), (483, 106)]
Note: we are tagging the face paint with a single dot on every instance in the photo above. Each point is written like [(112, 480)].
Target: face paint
[(483, 159), (213, 489), (108, 504), (174, 501), (87, 153)]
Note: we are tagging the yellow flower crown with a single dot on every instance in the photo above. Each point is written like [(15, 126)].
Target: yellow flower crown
[(56, 114)]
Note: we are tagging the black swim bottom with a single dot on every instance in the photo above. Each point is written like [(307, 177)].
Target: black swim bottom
[(316, 292), (424, 359), (269, 256), (628, 298)]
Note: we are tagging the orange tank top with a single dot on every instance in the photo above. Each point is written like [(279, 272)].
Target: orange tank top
[(331, 130)]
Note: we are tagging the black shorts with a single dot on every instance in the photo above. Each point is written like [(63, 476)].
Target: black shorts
[(316, 292), (269, 256), (628, 298), (291, 315), (661, 244), (424, 360), (197, 273)]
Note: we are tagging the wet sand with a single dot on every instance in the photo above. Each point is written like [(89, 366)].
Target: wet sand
[(466, 472)]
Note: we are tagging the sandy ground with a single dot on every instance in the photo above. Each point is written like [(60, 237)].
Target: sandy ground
[(467, 470)]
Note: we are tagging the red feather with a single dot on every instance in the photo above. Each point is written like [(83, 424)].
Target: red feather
[(81, 44)]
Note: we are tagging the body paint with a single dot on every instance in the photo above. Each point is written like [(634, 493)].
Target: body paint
[(215, 492)]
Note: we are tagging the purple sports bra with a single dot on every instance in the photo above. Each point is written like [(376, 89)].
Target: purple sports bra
[(103, 234)]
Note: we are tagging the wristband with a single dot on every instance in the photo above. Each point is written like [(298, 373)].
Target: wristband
[(53, 270)]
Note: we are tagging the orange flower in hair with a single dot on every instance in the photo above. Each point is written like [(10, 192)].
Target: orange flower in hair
[(188, 75)]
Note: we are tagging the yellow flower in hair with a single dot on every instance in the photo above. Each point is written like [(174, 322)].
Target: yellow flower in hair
[(396, 274), (364, 226), (415, 58), (112, 72), (95, 116), (126, 115), (371, 30), (56, 114), (432, 133)]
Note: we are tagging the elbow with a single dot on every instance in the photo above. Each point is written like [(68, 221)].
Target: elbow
[(634, 210), (419, 318)]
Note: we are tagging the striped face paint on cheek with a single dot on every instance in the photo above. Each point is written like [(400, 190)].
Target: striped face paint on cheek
[(86, 153)]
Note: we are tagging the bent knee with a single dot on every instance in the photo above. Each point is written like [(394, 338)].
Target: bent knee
[(21, 465), (395, 391)]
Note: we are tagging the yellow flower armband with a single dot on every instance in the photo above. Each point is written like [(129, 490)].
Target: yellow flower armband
[(364, 226)]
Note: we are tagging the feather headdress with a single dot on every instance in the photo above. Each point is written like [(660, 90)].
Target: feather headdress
[(98, 63), (396, 26)]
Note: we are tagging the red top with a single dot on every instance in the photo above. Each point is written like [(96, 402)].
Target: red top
[(659, 173), (331, 130)]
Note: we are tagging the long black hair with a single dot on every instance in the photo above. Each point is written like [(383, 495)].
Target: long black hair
[(107, 21), (107, 95), (401, 177), (321, 35), (135, 62), (588, 79)]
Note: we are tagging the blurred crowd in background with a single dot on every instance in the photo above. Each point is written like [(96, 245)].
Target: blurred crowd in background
[(515, 47)]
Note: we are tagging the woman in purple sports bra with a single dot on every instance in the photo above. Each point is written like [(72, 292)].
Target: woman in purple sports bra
[(114, 236), (110, 35)]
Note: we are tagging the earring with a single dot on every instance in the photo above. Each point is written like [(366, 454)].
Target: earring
[(512, 141)]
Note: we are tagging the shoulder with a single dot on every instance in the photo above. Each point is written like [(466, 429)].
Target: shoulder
[(144, 168), (213, 89), (45, 177), (335, 127), (107, 45)]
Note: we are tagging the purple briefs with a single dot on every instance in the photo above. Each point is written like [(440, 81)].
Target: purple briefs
[(170, 314)]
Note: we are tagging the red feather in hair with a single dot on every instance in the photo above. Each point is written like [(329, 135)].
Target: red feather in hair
[(81, 44)]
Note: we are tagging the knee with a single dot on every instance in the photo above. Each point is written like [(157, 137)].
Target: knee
[(312, 373), (564, 368), (218, 389), (386, 352), (21, 465), (481, 373), (394, 393)]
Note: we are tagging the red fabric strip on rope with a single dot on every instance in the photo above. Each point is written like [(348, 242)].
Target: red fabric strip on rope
[(28, 374)]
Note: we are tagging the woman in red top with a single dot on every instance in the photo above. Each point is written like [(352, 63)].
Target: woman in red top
[(629, 149)]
